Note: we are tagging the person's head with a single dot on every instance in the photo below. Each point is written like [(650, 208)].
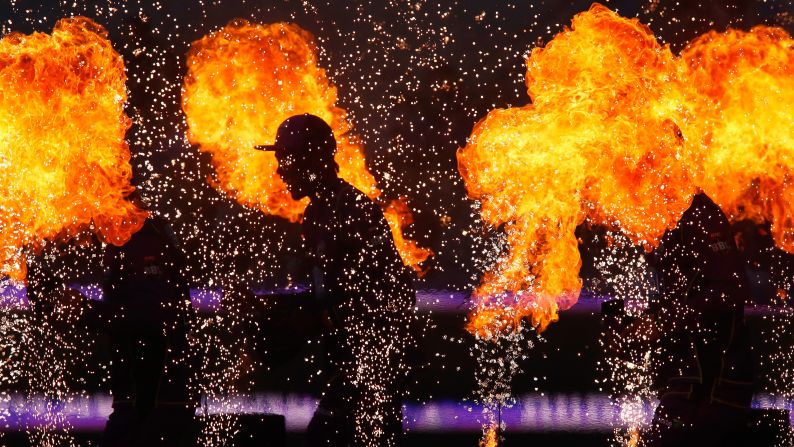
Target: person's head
[(304, 148)]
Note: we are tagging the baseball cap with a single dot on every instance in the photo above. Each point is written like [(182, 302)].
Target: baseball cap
[(305, 132)]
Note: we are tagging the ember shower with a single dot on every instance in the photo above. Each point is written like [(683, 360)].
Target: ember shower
[(411, 81)]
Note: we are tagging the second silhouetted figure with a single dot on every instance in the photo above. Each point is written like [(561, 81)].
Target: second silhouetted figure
[(359, 280)]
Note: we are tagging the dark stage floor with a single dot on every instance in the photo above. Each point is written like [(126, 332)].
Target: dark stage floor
[(558, 399)]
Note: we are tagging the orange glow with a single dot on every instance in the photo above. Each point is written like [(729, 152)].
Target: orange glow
[(622, 133), (634, 437), (64, 164), (745, 82), (490, 437), (598, 142), (242, 82), (399, 216)]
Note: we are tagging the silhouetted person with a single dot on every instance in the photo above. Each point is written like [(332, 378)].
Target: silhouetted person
[(360, 283), (706, 367), (146, 306)]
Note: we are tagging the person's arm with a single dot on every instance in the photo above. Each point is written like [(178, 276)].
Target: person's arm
[(388, 277), (100, 313), (678, 271), (46, 290), (177, 275), (180, 277), (672, 260)]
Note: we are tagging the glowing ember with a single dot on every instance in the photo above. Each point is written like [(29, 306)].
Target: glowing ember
[(243, 81), (490, 436), (634, 437), (621, 133), (64, 164)]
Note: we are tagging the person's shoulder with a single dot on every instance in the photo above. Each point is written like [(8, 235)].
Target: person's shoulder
[(360, 211), (351, 197)]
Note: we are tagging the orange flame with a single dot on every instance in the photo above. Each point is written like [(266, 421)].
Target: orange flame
[(242, 82), (399, 216), (745, 82), (635, 435), (598, 142), (490, 436), (621, 133), (64, 164)]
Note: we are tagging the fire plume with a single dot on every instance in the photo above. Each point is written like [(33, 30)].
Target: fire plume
[(64, 163), (598, 142), (621, 132), (745, 85), (242, 82)]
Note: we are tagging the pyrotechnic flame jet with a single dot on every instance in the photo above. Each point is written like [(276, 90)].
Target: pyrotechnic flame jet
[(622, 133), (242, 82), (64, 163)]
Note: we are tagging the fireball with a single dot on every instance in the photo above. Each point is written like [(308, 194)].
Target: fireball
[(242, 82), (622, 133), (64, 163), (745, 82), (599, 142)]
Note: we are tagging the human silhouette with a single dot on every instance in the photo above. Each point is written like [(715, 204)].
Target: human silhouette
[(145, 311), (706, 368), (365, 293)]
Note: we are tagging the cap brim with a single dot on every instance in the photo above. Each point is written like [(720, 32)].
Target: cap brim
[(267, 147)]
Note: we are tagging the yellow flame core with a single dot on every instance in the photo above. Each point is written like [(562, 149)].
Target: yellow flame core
[(622, 133), (490, 436), (745, 82), (64, 163), (242, 82)]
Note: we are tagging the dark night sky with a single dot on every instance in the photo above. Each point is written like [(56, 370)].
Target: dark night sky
[(385, 60)]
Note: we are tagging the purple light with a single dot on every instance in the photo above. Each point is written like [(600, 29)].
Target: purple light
[(531, 413)]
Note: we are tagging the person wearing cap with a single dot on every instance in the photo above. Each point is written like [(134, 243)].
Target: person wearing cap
[(365, 292)]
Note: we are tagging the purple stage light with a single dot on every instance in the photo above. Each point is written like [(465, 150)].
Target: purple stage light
[(539, 413)]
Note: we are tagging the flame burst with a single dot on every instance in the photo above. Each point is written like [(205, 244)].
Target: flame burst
[(242, 82), (621, 133), (745, 86), (598, 142), (64, 164)]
